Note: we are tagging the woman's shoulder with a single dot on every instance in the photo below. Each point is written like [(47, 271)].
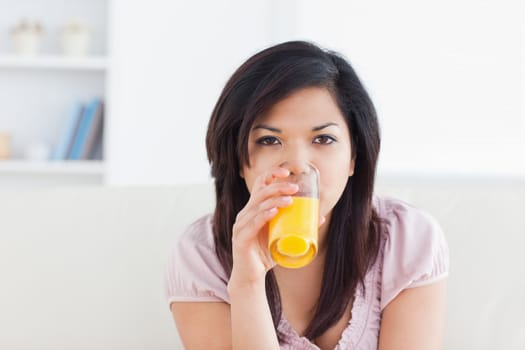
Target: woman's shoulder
[(199, 233), (415, 250), (196, 242), (403, 221), (194, 272)]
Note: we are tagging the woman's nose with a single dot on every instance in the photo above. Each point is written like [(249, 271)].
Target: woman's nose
[(297, 159), (296, 166)]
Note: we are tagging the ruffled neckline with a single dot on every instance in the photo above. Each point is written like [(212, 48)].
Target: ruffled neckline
[(352, 334)]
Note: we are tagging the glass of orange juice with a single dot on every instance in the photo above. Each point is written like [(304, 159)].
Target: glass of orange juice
[(293, 230)]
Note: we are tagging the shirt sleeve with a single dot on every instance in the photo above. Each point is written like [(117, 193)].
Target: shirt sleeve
[(415, 253), (194, 272)]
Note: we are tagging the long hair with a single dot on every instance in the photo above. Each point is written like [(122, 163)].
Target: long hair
[(353, 235)]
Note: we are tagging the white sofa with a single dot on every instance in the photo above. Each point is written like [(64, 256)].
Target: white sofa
[(82, 268)]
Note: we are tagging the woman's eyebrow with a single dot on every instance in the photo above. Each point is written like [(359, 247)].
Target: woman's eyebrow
[(320, 127), (263, 126), (270, 128)]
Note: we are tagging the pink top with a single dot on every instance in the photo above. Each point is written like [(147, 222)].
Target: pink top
[(413, 253)]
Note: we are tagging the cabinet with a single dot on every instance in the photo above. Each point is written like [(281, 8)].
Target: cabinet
[(37, 92)]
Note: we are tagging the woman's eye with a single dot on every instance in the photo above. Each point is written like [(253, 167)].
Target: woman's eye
[(324, 139), (268, 141)]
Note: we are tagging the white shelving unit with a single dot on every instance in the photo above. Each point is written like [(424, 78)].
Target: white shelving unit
[(38, 91), (56, 62)]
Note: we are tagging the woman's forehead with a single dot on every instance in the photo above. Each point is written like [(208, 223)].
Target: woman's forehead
[(310, 107)]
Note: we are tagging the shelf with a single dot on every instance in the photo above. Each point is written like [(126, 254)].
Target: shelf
[(23, 167), (88, 63)]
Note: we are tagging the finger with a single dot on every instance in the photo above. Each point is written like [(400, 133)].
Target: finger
[(250, 229), (272, 190), (273, 202), (269, 177), (275, 173), (273, 195), (249, 213)]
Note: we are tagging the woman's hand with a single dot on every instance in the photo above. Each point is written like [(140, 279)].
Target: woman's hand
[(251, 256)]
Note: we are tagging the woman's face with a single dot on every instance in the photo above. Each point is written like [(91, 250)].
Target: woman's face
[(306, 127)]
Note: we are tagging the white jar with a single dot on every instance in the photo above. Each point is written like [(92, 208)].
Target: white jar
[(26, 36), (75, 39)]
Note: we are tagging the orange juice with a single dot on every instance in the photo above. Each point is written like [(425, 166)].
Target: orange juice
[(293, 233)]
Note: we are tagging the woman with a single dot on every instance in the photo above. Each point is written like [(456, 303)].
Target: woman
[(378, 280)]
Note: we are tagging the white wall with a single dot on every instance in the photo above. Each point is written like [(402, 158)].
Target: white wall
[(446, 77), (170, 61)]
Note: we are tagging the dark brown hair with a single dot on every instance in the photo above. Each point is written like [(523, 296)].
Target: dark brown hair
[(353, 234)]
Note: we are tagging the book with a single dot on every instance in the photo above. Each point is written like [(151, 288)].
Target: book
[(67, 135), (98, 150), (91, 118), (94, 135)]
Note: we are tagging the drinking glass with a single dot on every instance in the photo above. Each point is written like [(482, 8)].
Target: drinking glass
[(293, 231)]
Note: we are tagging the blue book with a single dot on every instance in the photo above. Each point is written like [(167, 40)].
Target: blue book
[(86, 123), (66, 137)]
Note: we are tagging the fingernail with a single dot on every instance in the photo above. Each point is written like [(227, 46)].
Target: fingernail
[(287, 199)]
